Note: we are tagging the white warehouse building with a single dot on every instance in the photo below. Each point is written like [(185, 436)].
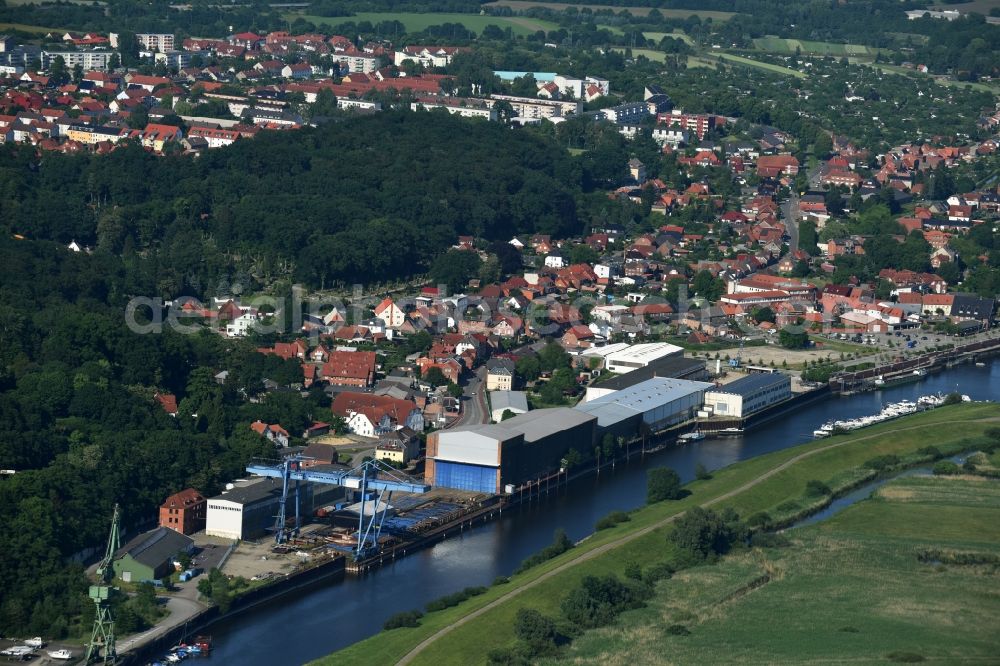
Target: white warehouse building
[(247, 508), (639, 356), (654, 404), (749, 395)]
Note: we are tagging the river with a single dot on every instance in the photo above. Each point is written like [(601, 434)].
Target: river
[(342, 611)]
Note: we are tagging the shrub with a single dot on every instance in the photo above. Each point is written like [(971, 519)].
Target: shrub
[(633, 570), (954, 398), (932, 452), (656, 572), (769, 540), (849, 630), (678, 630), (701, 473), (405, 619), (882, 463), (816, 488), (612, 519), (536, 630), (515, 656), (945, 468), (663, 484), (454, 599), (706, 534), (560, 544), (760, 519), (978, 458), (903, 657), (501, 580), (790, 506), (598, 600)]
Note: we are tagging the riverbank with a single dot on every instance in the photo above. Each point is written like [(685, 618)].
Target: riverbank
[(465, 633), (905, 576)]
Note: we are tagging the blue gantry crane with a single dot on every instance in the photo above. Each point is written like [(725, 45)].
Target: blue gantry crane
[(374, 479)]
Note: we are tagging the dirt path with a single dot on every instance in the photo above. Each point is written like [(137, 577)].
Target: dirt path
[(600, 550)]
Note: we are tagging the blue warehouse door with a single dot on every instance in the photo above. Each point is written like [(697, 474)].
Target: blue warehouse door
[(465, 477)]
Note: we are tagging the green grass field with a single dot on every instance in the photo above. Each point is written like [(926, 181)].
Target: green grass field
[(848, 589), (777, 69), (980, 6), (695, 61), (24, 27), (951, 83), (655, 56), (788, 46), (417, 22), (519, 5), (657, 36), (751, 486)]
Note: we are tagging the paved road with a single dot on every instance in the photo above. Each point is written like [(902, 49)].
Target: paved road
[(790, 214), (600, 550), (474, 409), (182, 607), (790, 209)]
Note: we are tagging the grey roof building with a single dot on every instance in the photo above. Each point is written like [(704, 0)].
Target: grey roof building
[(150, 556), (654, 404), (501, 401)]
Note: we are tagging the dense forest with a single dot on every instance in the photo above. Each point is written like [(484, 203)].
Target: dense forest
[(359, 200), (364, 200), (83, 431)]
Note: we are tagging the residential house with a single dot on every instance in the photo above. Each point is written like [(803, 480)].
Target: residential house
[(272, 432), (349, 368), (398, 446), (371, 415), (390, 313)]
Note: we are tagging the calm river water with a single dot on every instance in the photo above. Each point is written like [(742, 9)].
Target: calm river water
[(342, 611)]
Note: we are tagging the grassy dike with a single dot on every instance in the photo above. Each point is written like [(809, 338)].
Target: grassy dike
[(465, 633)]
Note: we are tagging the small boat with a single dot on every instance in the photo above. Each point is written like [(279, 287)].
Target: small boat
[(695, 436), (35, 642), (980, 364), (62, 654), (821, 433)]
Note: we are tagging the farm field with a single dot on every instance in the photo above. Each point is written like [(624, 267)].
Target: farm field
[(72, 2), (851, 587), (636, 11), (24, 27), (951, 83), (777, 69), (655, 56), (787, 46), (657, 36), (979, 6), (416, 22), (465, 633)]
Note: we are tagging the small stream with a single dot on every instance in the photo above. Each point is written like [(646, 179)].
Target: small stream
[(866, 491)]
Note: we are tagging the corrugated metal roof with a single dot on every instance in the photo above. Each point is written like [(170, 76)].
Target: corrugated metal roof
[(753, 383), (608, 414), (509, 399), (540, 423), (644, 353), (652, 393), (156, 547)]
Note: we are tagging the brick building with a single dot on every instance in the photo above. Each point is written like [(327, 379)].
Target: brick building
[(183, 512)]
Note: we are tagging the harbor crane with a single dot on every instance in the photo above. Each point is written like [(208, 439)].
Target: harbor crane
[(374, 479), (102, 646)]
